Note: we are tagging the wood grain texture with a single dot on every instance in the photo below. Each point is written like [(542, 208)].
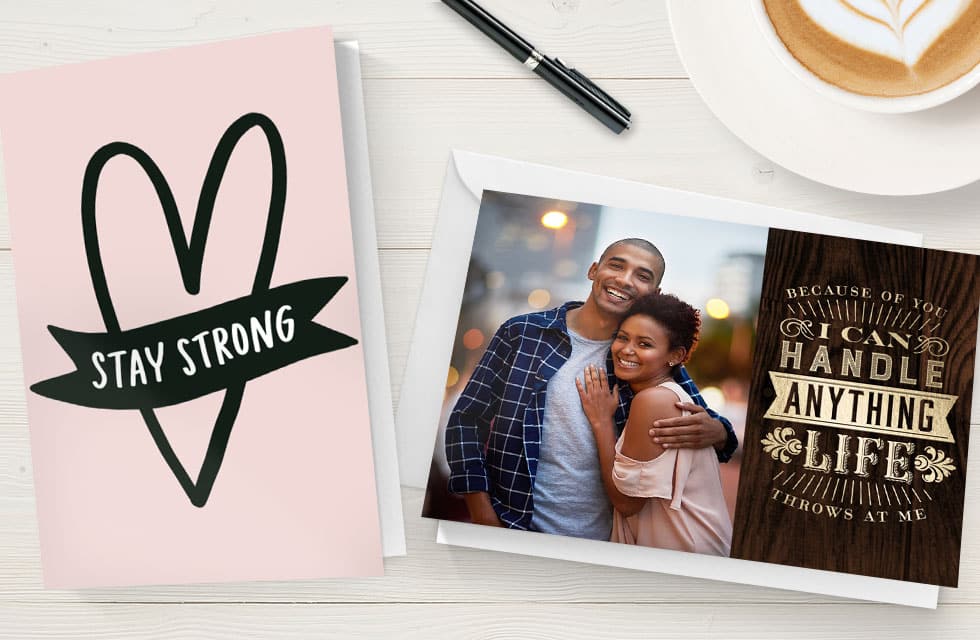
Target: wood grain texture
[(399, 38), (677, 143), (231, 621), (779, 520), (431, 84)]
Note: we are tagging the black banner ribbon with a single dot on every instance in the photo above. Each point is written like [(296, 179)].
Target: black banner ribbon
[(192, 355)]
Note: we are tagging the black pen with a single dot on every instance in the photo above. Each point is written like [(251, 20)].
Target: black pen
[(573, 84)]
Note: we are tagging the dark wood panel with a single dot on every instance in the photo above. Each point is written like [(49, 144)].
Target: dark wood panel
[(859, 325)]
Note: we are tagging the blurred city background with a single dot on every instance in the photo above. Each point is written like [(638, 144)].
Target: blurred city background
[(531, 254)]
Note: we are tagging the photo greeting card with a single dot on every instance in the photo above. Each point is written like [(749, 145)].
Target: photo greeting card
[(838, 373), (189, 316)]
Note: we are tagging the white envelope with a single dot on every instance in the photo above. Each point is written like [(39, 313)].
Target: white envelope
[(369, 296), (418, 414)]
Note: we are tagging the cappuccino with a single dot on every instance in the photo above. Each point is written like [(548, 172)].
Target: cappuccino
[(881, 48)]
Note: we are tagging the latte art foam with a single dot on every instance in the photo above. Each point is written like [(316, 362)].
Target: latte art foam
[(885, 48), (899, 29)]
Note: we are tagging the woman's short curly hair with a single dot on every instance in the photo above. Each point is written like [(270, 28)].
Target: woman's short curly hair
[(681, 320)]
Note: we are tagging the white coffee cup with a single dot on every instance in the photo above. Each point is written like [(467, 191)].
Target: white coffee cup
[(879, 104)]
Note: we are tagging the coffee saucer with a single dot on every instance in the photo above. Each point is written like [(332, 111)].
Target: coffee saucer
[(774, 112)]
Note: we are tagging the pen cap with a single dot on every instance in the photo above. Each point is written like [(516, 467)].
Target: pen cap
[(581, 77)]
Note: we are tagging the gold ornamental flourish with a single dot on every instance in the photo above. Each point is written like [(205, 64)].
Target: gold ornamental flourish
[(781, 445), (935, 465)]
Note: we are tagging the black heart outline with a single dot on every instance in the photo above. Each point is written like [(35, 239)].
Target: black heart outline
[(190, 257)]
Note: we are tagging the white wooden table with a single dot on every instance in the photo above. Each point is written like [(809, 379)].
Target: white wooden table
[(431, 84)]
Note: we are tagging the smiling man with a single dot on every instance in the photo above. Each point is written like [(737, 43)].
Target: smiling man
[(519, 447)]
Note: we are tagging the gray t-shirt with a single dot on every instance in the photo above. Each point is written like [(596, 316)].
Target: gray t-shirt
[(569, 497)]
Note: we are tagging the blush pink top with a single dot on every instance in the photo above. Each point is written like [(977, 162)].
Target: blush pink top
[(686, 510)]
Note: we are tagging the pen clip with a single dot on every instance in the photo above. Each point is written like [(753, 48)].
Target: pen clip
[(581, 77)]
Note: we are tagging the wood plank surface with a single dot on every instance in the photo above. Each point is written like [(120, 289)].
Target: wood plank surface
[(677, 143), (399, 38), (432, 84), (234, 620)]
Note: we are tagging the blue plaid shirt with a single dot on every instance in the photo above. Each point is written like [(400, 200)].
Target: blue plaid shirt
[(494, 432)]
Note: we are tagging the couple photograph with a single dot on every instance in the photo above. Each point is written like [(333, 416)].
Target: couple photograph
[(599, 375)]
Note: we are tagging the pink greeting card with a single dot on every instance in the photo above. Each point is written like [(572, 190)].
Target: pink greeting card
[(188, 316)]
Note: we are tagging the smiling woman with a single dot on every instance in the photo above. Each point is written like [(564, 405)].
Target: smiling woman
[(664, 497)]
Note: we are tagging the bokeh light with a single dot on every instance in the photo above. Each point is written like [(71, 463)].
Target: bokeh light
[(717, 308), (496, 279), (453, 377), (473, 339), (565, 268), (539, 298), (554, 220), (714, 397), (537, 241)]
